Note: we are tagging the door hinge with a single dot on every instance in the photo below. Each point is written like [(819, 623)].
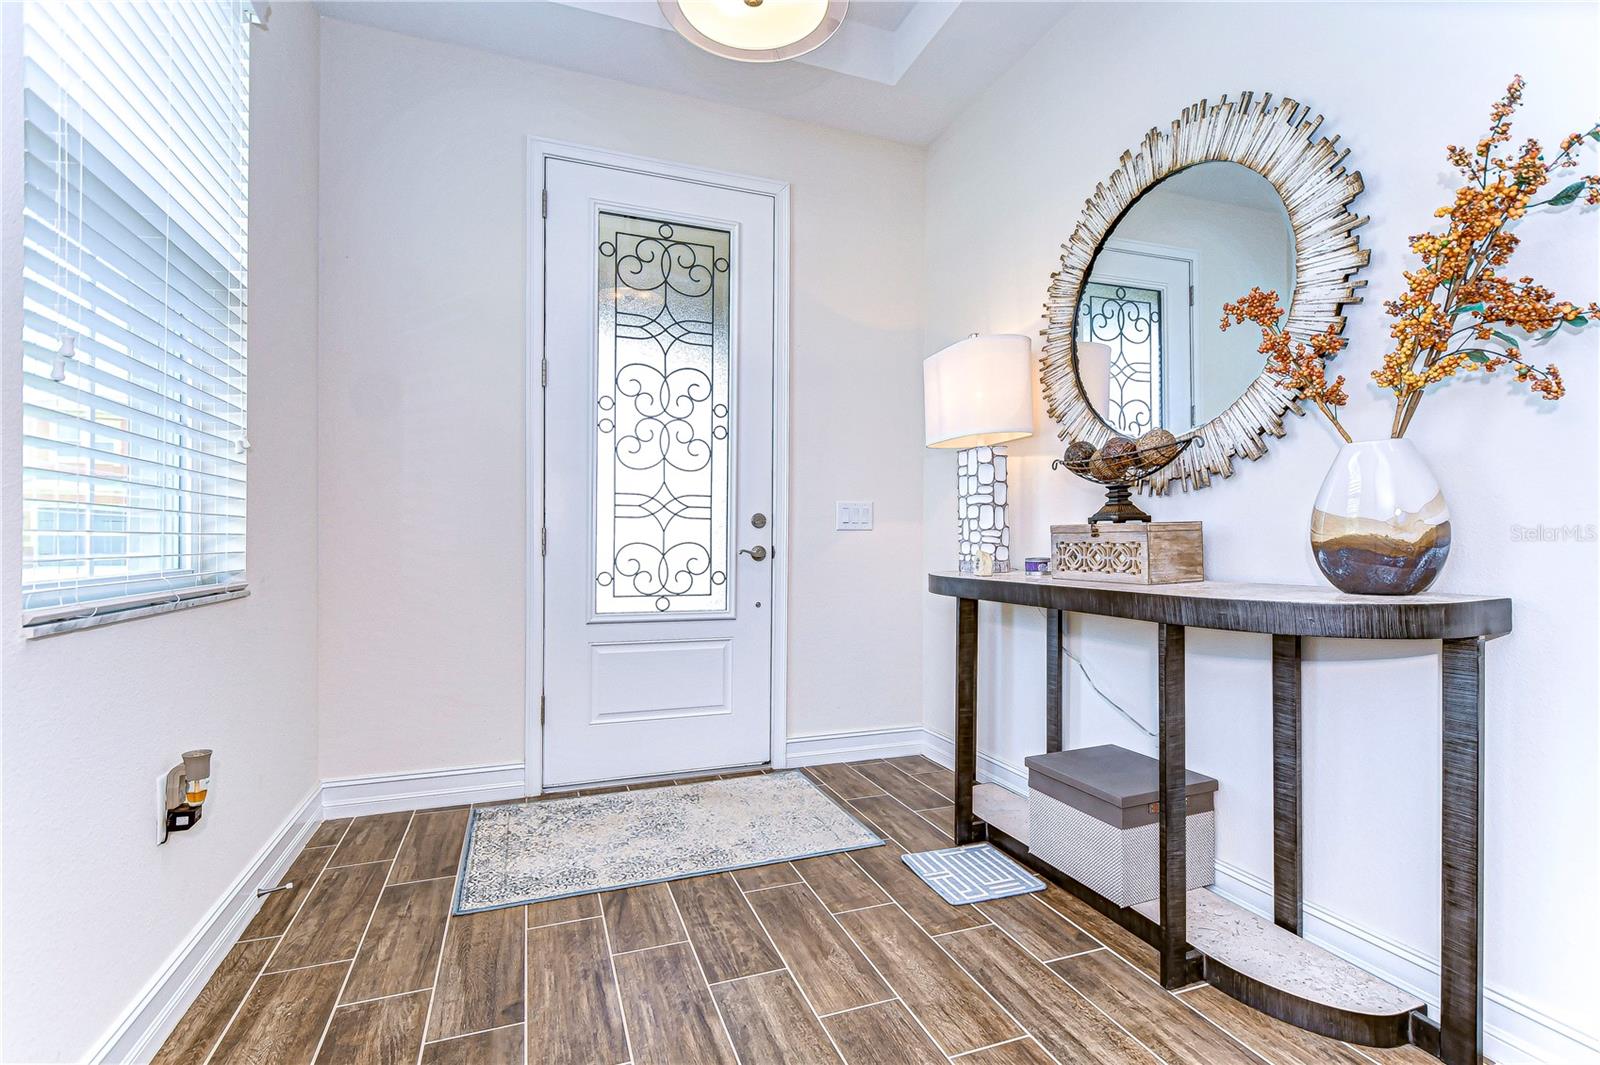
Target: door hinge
[(541, 708), (544, 203), (544, 540), (544, 373), (1191, 295)]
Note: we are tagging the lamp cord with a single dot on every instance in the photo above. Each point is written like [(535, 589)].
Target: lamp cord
[(1097, 689)]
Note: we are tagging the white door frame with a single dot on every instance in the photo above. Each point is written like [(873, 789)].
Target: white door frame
[(540, 150)]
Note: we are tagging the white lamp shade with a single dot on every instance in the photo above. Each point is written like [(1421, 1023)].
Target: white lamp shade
[(978, 391)]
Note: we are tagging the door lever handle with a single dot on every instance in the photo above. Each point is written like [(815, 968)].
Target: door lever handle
[(757, 553)]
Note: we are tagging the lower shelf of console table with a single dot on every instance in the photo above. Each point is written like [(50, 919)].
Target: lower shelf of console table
[(1242, 953)]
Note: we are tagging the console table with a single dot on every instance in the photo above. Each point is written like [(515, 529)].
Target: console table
[(1199, 935)]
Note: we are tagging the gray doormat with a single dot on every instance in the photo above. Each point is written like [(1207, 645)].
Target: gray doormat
[(535, 851), (974, 873)]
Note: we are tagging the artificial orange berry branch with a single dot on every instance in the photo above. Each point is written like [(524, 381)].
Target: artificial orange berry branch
[(1456, 307), (1300, 366)]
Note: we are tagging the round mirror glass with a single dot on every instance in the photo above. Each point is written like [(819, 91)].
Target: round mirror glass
[(1149, 352)]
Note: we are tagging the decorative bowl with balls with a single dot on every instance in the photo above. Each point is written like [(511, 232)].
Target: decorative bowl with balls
[(1119, 464)]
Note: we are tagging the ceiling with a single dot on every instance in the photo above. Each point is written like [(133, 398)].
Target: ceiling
[(884, 14), (1221, 181), (900, 69)]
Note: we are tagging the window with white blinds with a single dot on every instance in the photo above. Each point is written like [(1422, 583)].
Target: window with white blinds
[(136, 149)]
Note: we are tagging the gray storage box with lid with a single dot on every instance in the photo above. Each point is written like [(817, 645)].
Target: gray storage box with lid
[(1093, 814)]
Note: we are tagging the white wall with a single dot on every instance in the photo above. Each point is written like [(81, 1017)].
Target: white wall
[(92, 907), (421, 484), (1392, 81)]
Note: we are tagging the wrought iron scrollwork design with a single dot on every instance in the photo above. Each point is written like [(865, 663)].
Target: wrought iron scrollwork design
[(1128, 321), (662, 417)]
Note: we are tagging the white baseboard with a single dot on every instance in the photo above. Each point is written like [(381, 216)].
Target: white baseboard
[(1514, 1030), (157, 1009), (387, 792), (991, 770), (853, 745)]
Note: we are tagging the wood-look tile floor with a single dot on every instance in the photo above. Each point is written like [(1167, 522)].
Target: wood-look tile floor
[(847, 957)]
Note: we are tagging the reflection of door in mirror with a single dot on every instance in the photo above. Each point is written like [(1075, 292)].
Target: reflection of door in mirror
[(1198, 239), (1138, 305)]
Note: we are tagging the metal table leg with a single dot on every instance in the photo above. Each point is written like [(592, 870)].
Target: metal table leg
[(966, 718), (1287, 869), (1174, 805), (1461, 942), (1053, 630)]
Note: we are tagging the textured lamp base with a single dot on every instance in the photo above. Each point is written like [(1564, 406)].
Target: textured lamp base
[(982, 506)]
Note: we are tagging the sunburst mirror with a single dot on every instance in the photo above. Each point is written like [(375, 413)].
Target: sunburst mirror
[(1231, 196)]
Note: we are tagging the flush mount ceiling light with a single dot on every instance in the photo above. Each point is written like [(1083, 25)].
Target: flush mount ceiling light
[(755, 31)]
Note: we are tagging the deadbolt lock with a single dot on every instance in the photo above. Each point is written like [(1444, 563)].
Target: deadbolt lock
[(758, 521)]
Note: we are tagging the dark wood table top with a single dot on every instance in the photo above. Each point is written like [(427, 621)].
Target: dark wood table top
[(1281, 609)]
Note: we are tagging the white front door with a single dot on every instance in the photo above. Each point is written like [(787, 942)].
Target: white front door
[(658, 443)]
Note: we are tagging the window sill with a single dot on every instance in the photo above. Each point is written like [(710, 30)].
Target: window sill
[(43, 629)]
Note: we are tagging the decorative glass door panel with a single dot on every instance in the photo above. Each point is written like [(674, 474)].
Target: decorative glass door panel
[(663, 391), (1128, 320)]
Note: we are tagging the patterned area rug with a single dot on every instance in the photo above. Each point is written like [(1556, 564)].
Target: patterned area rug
[(974, 873), (531, 852)]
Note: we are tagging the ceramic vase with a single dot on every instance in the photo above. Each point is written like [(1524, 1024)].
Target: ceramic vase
[(1380, 526)]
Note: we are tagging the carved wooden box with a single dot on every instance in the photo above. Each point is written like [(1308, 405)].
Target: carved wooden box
[(1133, 552)]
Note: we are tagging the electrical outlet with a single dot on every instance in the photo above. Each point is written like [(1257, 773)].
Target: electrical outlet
[(852, 517)]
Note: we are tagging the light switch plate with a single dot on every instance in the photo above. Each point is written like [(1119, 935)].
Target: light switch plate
[(852, 516)]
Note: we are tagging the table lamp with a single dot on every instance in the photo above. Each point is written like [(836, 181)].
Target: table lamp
[(977, 395)]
